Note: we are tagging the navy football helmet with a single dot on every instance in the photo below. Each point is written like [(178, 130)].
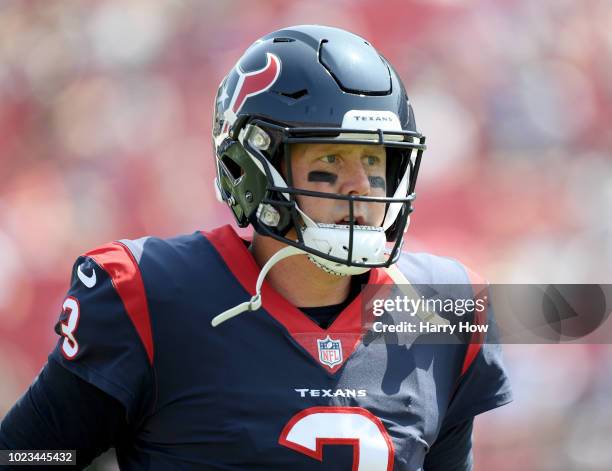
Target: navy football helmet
[(314, 84)]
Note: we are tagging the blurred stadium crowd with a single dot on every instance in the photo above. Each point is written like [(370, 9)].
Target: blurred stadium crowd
[(105, 114)]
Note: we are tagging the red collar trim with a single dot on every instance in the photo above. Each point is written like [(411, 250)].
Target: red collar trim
[(347, 327)]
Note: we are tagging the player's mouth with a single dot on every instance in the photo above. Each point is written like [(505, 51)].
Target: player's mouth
[(345, 221)]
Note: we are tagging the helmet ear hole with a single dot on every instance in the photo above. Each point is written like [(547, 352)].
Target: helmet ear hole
[(231, 167), (241, 182)]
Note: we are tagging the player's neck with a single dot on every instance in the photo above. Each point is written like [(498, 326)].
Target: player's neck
[(297, 279)]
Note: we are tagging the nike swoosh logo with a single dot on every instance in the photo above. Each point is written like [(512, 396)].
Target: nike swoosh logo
[(89, 281)]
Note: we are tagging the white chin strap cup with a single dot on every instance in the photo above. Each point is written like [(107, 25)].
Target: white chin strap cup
[(333, 239)]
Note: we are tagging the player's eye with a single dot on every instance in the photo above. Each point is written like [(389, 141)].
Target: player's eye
[(371, 160), (329, 159)]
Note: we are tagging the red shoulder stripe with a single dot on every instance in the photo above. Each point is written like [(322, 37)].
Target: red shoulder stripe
[(117, 260), (479, 288)]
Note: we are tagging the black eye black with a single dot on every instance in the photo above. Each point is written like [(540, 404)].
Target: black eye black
[(318, 176)]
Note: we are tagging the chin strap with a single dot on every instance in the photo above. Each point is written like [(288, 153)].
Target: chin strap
[(255, 302)]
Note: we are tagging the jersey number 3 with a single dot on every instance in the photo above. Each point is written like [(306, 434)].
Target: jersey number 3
[(70, 346), (309, 430)]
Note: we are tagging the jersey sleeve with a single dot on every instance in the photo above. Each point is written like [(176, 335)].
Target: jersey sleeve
[(483, 383), (104, 328), (60, 411)]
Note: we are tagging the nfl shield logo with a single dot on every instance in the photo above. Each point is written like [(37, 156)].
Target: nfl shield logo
[(330, 351)]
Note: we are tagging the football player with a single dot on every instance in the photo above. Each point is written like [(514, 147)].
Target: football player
[(178, 353)]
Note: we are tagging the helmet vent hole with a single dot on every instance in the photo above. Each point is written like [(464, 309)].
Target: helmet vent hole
[(296, 95), (283, 40)]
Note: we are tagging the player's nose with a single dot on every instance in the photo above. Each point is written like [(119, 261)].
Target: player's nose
[(355, 179)]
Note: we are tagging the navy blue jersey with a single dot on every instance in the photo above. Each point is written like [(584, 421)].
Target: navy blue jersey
[(270, 389)]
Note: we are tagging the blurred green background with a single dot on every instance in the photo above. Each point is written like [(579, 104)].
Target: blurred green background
[(105, 117)]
